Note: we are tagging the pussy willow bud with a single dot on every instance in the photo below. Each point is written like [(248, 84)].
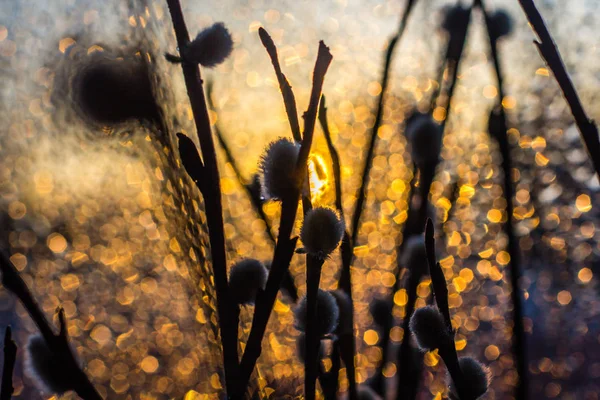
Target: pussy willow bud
[(477, 375), (245, 279), (501, 24), (322, 231), (381, 311), (278, 168), (428, 327), (44, 368), (345, 306), (425, 138), (366, 393), (414, 256), (454, 18), (327, 316), (210, 47)]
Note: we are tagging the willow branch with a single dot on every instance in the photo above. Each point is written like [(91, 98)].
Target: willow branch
[(286, 89), (498, 130), (346, 343), (288, 281), (58, 343), (285, 247), (10, 357), (549, 52), (211, 191)]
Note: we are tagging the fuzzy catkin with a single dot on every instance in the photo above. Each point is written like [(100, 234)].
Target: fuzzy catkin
[(425, 138), (327, 316), (322, 231), (476, 374), (428, 328), (278, 168), (210, 48), (246, 278)]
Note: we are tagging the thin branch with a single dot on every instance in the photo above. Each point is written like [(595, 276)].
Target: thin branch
[(549, 52), (288, 281), (211, 191), (286, 89), (498, 130), (358, 208), (10, 357), (311, 359), (57, 343), (285, 247), (346, 342), (440, 291)]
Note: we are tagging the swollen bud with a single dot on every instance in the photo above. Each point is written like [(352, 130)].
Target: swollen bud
[(210, 48), (327, 316), (428, 327), (278, 169), (477, 375), (245, 279), (455, 18), (501, 24), (322, 231), (425, 138), (44, 368)]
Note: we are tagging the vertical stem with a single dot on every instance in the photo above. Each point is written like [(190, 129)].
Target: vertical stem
[(212, 199), (519, 340), (311, 363), (10, 357)]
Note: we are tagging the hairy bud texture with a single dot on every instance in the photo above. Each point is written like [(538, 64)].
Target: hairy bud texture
[(278, 168), (210, 48), (327, 316), (322, 231), (428, 327), (425, 138), (476, 374), (246, 278)]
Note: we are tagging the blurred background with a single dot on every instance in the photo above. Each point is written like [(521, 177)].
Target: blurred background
[(99, 217)]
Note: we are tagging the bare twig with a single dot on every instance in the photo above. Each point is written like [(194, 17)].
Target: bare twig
[(57, 343), (311, 362), (440, 291), (288, 281), (10, 357), (286, 89), (358, 208), (285, 246), (498, 130), (346, 342), (550, 53), (211, 191)]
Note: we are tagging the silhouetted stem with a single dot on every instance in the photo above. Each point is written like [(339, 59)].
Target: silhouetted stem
[(285, 247), (288, 281), (501, 136), (286, 89), (211, 192), (440, 292), (346, 342), (550, 53), (311, 360), (362, 193), (57, 343), (10, 357)]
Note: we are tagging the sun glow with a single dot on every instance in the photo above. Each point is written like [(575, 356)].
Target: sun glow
[(318, 177)]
